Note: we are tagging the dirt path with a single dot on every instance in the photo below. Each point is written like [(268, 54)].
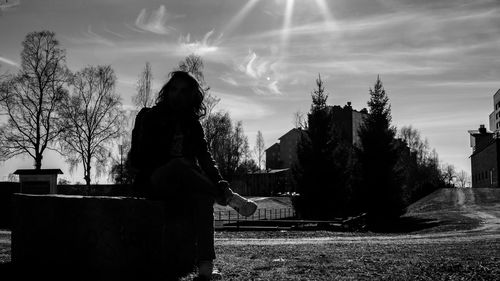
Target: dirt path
[(482, 205)]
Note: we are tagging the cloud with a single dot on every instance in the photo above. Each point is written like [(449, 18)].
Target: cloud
[(156, 23), (261, 73), (6, 5), (9, 62), (205, 46), (229, 80), (242, 107), (92, 38), (114, 33)]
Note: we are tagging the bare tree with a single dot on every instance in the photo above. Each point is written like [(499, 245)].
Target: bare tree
[(463, 179), (92, 119), (415, 142), (194, 65), (299, 120), (144, 97), (238, 147), (259, 149), (31, 97), (3, 85), (448, 173), (211, 102)]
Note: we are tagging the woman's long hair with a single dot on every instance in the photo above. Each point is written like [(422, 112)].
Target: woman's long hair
[(197, 108)]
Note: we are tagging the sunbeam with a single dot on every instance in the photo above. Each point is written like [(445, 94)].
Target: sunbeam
[(236, 20), (325, 11), (285, 35)]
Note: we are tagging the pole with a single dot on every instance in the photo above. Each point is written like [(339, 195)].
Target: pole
[(121, 163)]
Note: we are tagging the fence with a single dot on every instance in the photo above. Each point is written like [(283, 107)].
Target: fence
[(228, 216)]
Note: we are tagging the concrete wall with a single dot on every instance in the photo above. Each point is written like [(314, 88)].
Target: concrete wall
[(95, 189), (97, 238), (358, 119), (9, 188), (6, 191)]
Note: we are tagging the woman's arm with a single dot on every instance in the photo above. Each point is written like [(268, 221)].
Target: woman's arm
[(205, 159)]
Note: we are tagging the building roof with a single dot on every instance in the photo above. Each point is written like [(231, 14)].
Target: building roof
[(476, 132), (38, 172), (273, 146), (292, 131)]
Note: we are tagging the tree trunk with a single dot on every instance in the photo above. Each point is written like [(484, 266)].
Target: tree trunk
[(38, 162), (87, 173), (87, 176)]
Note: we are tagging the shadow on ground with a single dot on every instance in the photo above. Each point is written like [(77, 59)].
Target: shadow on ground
[(405, 225)]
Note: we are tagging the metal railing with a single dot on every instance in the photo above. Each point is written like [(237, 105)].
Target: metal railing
[(230, 216)]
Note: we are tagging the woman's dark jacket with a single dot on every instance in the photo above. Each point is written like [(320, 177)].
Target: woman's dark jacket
[(151, 138)]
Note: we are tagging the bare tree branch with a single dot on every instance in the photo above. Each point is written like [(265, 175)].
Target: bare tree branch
[(260, 149), (93, 119), (144, 97), (30, 97)]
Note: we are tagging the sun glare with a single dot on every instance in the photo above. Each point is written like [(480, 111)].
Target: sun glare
[(287, 21), (324, 10), (236, 20), (286, 28)]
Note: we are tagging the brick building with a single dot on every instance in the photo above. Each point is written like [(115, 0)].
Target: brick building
[(484, 159), (282, 155), (495, 115), (349, 121), (486, 150)]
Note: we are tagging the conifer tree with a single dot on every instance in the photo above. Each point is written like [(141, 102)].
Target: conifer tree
[(322, 162), (378, 155)]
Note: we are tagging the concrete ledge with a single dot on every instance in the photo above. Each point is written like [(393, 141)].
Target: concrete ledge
[(97, 237)]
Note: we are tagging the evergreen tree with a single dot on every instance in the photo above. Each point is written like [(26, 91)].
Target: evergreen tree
[(320, 173), (380, 190)]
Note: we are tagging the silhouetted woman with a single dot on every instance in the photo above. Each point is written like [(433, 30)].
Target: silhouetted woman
[(172, 161)]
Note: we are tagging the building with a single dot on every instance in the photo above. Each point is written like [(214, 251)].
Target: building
[(282, 155), (349, 121), (485, 156), (273, 156), (345, 119), (495, 115), (485, 150), (267, 183)]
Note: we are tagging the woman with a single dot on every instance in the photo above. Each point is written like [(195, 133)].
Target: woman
[(171, 159)]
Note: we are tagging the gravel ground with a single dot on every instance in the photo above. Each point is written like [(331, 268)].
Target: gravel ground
[(452, 234), (449, 235)]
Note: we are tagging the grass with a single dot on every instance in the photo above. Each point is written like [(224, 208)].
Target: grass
[(362, 261)]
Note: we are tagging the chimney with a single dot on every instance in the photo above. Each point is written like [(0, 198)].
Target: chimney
[(482, 129)]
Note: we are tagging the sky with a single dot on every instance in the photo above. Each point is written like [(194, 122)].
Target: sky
[(439, 60)]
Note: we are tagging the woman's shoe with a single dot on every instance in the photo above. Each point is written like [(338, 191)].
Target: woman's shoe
[(206, 271)]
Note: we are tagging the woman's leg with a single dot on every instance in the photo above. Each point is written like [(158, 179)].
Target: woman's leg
[(181, 173), (179, 177), (204, 225)]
